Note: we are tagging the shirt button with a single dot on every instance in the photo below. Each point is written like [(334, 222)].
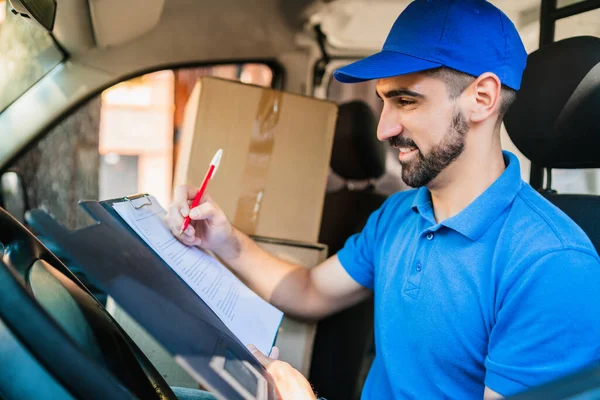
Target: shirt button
[(419, 266), (430, 236)]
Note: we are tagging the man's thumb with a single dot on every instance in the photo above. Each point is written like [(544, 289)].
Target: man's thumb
[(264, 360), (274, 353)]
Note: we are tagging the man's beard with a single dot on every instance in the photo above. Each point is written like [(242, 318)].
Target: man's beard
[(425, 167)]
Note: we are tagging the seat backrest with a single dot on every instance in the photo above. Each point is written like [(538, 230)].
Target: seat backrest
[(583, 209), (71, 340), (554, 121), (344, 341), (357, 159)]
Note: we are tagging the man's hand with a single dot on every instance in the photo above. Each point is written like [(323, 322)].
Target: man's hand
[(209, 227), (289, 382), (323, 289)]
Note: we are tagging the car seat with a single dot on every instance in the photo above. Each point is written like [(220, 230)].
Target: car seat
[(555, 118), (343, 348)]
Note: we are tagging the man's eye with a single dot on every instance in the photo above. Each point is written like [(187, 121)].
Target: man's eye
[(406, 102)]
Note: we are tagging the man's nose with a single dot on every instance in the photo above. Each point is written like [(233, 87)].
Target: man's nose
[(388, 127)]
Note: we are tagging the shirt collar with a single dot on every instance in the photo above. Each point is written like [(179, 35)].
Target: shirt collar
[(474, 219), (422, 204)]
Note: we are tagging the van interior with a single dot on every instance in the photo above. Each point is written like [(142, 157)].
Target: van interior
[(92, 101)]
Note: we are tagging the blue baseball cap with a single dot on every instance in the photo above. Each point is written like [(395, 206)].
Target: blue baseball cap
[(471, 36)]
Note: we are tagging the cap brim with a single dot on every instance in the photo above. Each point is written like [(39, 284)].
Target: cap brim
[(384, 64)]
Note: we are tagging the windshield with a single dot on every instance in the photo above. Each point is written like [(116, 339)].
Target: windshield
[(27, 53)]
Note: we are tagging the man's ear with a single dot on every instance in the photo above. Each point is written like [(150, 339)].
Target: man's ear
[(485, 97)]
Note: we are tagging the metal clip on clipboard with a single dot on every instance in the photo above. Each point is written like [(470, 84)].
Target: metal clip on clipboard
[(138, 196)]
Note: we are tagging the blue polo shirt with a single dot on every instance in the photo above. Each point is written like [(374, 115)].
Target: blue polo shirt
[(503, 294)]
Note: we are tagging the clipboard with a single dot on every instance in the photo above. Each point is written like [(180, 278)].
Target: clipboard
[(147, 289)]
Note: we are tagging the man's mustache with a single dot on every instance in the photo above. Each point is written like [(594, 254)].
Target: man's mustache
[(399, 141)]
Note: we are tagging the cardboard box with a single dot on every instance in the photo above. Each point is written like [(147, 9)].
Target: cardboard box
[(295, 339), (276, 151)]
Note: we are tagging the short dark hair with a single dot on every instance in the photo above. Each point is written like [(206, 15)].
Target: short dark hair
[(457, 82)]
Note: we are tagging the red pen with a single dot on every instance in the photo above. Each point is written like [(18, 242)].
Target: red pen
[(212, 169)]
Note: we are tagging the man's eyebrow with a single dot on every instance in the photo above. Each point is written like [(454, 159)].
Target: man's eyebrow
[(399, 92)]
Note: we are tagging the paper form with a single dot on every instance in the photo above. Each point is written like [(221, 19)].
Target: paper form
[(249, 317)]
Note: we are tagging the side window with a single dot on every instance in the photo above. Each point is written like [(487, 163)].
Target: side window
[(27, 53), (121, 142), (391, 181)]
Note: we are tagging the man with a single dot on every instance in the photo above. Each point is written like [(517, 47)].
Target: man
[(482, 287)]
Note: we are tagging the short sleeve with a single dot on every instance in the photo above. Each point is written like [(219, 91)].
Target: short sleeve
[(548, 323), (358, 254)]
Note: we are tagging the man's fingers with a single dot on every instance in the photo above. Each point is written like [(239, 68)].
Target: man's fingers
[(190, 231), (274, 353), (264, 360), (173, 220), (203, 211), (174, 216), (188, 240), (176, 223), (289, 382), (182, 195)]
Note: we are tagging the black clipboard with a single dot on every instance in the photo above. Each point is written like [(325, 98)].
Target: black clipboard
[(159, 300)]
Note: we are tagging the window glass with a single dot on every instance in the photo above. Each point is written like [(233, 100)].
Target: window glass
[(136, 136), (121, 142), (584, 24), (27, 53), (577, 181), (564, 3)]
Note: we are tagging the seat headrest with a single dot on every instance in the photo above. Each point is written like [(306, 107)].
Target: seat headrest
[(555, 121), (357, 154)]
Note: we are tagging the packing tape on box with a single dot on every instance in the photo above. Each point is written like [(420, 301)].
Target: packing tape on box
[(256, 169)]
